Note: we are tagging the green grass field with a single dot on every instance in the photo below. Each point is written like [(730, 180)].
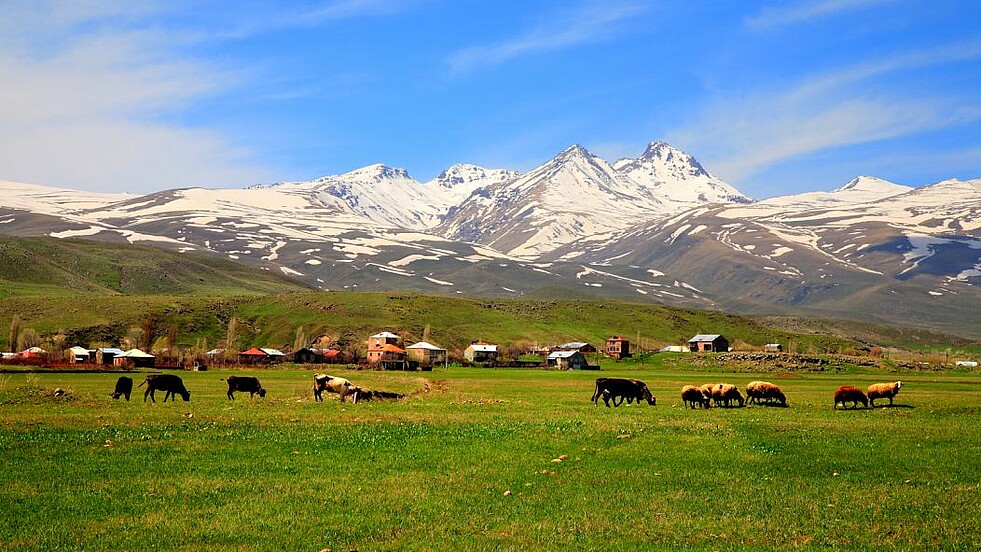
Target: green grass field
[(468, 462)]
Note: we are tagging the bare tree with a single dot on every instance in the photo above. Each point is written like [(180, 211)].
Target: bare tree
[(133, 338), (14, 332), (28, 337), (149, 331), (300, 341)]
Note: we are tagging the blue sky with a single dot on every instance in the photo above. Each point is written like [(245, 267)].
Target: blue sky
[(774, 97)]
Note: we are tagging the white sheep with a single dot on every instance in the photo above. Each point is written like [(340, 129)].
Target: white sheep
[(883, 391)]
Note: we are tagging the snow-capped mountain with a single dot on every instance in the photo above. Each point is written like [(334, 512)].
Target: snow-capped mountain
[(666, 172), (579, 196), (657, 227)]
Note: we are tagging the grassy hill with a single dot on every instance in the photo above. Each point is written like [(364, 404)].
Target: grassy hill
[(94, 292), (54, 267), (349, 317)]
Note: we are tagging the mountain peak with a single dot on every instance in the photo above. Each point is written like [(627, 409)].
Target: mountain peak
[(668, 155), (575, 150), (466, 174), (872, 185), (380, 171)]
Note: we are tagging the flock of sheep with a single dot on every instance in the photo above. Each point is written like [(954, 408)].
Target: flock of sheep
[(764, 392), (726, 394)]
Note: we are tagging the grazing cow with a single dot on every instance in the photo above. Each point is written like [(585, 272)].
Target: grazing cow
[(852, 394), (124, 386), (245, 385), (170, 383), (331, 384), (621, 388)]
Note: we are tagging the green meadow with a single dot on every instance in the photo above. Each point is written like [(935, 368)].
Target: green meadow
[(484, 459)]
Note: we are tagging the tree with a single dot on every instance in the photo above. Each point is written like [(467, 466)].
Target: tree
[(231, 339), (133, 338), (14, 333), (172, 341), (149, 331), (28, 337), (299, 341)]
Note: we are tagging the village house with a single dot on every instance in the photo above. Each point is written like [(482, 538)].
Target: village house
[(308, 355), (383, 348), (78, 355), (480, 352), (381, 339), (275, 355), (104, 355), (580, 346), (617, 347), (134, 358), (568, 360), (426, 354), (708, 343), (253, 355), (388, 357)]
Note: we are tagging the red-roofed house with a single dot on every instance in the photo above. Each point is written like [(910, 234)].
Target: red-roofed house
[(253, 355)]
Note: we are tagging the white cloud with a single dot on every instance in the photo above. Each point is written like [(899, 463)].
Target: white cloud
[(590, 23), (740, 135), (778, 16), (91, 96)]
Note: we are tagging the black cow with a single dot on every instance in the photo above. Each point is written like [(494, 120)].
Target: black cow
[(170, 383), (245, 385), (622, 389), (124, 386)]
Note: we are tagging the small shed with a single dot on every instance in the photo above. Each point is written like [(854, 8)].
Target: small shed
[(134, 358), (617, 347), (426, 354), (480, 352), (708, 343), (567, 360), (773, 348)]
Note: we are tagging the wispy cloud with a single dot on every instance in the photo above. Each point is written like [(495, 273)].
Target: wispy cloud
[(778, 16), (590, 23), (345, 9), (742, 135), (99, 106)]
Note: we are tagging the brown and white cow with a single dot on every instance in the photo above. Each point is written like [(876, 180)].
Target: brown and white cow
[(342, 387)]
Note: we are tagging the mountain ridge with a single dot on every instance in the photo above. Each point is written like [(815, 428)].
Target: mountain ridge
[(677, 235)]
